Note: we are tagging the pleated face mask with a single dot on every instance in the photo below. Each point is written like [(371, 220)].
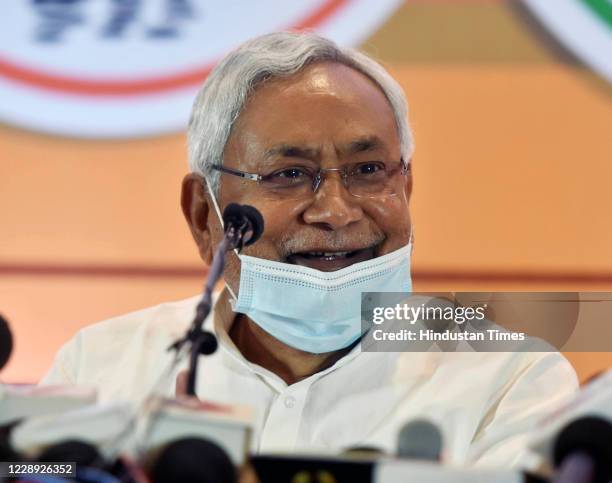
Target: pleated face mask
[(312, 310)]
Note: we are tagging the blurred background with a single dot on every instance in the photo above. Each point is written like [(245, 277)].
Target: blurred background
[(510, 102)]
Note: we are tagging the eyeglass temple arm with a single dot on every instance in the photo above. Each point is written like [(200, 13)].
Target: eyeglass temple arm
[(234, 172)]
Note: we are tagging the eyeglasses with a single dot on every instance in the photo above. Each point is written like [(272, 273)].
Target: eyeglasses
[(369, 179)]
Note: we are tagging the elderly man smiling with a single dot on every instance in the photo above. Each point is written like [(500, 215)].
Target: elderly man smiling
[(317, 138)]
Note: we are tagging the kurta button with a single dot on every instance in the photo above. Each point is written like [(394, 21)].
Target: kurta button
[(289, 402)]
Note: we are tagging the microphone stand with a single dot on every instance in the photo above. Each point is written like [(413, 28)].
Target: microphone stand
[(202, 341)]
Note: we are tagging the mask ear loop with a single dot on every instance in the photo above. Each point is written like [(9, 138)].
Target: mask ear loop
[(411, 240), (218, 211), (408, 166)]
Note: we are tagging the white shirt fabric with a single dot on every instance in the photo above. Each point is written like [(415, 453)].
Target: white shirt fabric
[(484, 403)]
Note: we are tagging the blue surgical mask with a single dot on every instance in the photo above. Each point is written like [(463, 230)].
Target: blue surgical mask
[(311, 310)]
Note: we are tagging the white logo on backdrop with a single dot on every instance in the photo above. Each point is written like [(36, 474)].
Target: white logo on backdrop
[(128, 68), (583, 26)]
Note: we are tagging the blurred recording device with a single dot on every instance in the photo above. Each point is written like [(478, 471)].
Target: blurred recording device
[(6, 342), (18, 402), (184, 460), (577, 438), (384, 469), (227, 426), (182, 440), (419, 458), (418, 440)]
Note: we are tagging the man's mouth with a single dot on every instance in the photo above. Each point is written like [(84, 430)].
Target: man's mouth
[(329, 261)]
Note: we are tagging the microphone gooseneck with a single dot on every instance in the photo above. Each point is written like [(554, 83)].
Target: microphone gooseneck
[(243, 226)]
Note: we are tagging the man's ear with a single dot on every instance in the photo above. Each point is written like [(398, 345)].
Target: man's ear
[(196, 208)]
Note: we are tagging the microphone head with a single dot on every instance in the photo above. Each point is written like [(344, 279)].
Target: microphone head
[(193, 460), (245, 218), (256, 223), (82, 453), (6, 342), (592, 436), (7, 453), (420, 440), (233, 214)]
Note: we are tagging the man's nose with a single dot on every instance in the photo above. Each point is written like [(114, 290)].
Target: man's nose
[(333, 205)]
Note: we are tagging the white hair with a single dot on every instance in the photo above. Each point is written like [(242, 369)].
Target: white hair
[(276, 55)]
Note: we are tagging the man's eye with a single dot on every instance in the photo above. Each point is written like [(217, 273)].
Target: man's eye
[(290, 173), (369, 168)]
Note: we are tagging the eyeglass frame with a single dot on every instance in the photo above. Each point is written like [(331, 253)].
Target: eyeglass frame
[(316, 180)]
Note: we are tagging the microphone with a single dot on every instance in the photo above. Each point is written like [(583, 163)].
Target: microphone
[(6, 342), (91, 466), (7, 453), (247, 220), (420, 440), (243, 225), (80, 452), (576, 468), (583, 451), (192, 460), (582, 424), (420, 452)]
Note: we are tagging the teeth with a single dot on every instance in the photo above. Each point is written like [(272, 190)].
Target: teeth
[(328, 254)]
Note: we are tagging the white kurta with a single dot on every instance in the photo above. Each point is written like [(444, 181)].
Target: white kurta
[(484, 403)]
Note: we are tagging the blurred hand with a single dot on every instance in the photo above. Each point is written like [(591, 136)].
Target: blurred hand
[(247, 474)]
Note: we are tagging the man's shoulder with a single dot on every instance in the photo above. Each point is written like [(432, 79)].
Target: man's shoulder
[(513, 364), (524, 376), (500, 372), (166, 319), (129, 342)]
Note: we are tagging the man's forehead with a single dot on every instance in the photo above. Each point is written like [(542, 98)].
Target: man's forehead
[(322, 85), (358, 144), (350, 115)]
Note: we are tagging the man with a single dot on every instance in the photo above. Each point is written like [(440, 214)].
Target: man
[(317, 139)]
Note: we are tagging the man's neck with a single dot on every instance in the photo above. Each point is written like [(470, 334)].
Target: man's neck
[(291, 365)]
